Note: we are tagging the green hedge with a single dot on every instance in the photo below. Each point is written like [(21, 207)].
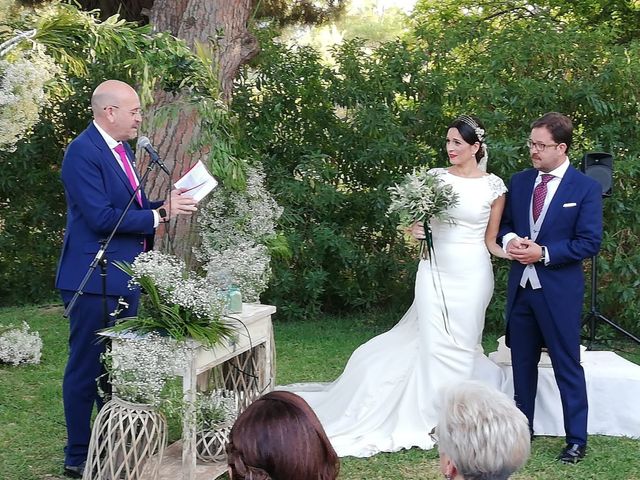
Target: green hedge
[(333, 138)]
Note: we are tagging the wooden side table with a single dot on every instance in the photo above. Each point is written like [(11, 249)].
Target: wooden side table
[(247, 367), (245, 364)]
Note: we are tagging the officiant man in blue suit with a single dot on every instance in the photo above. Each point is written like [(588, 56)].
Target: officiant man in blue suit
[(552, 221), (99, 179)]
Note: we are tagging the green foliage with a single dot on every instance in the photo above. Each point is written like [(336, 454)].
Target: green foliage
[(334, 138), (364, 19), (88, 51), (31, 211), (287, 12), (510, 64), (333, 141)]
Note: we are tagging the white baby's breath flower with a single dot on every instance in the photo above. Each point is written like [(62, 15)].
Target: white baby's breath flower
[(216, 407), (23, 80), (176, 287), (234, 226), (19, 345), (165, 270), (244, 265), (140, 367)]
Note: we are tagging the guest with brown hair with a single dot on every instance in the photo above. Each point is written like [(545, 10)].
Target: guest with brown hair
[(278, 437)]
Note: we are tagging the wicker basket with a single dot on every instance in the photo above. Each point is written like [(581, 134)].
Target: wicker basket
[(124, 437), (211, 444)]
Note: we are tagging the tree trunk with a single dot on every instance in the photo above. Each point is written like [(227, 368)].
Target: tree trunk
[(221, 24)]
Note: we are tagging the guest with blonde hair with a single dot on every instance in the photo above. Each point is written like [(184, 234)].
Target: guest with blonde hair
[(278, 437), (481, 434)]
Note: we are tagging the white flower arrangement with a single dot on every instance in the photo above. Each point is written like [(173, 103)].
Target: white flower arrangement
[(234, 227), (243, 265), (175, 301), (19, 345), (142, 365), (215, 408), (23, 81)]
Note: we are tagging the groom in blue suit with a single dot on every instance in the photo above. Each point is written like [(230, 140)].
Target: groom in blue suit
[(99, 180), (552, 221)]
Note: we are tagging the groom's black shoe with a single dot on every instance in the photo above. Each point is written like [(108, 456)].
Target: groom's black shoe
[(572, 453), (74, 471)]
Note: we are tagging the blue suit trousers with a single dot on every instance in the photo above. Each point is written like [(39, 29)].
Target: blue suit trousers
[(84, 368)]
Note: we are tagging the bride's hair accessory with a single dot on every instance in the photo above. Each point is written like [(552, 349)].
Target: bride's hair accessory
[(473, 124)]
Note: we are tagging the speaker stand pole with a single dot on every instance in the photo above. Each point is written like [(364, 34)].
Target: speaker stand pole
[(595, 315)]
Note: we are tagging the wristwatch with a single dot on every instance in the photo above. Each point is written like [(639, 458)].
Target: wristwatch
[(543, 254), (163, 214)]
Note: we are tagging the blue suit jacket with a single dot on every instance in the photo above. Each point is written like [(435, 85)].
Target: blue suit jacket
[(97, 191), (571, 230)]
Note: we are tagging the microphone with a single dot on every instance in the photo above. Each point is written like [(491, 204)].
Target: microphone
[(155, 158)]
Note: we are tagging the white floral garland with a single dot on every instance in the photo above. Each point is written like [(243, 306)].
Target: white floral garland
[(142, 366)]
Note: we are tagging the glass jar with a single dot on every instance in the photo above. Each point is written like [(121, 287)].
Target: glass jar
[(234, 300)]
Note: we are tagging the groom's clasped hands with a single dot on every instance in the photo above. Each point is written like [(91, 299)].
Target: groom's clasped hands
[(524, 250)]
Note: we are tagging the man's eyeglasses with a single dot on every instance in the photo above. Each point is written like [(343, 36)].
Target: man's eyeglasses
[(540, 146), (134, 112), (434, 436)]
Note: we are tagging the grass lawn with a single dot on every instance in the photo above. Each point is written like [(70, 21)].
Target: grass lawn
[(32, 431)]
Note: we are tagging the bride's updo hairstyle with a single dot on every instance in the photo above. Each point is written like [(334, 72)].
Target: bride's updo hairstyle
[(472, 131), (279, 437)]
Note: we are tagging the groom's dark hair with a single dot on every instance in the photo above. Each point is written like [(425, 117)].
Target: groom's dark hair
[(559, 125)]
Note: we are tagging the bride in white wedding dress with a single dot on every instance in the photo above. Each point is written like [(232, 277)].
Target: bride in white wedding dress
[(385, 400)]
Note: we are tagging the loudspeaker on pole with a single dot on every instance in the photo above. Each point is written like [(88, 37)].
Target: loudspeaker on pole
[(599, 166)]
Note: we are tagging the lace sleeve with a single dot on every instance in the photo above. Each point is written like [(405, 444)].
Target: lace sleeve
[(496, 186)]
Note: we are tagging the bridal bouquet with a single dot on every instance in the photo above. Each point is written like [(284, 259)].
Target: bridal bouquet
[(419, 198)]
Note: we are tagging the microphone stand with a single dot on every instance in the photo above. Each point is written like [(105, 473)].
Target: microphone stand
[(100, 258)]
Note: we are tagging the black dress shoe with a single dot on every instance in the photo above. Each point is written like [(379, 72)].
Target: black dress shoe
[(74, 471), (572, 453)]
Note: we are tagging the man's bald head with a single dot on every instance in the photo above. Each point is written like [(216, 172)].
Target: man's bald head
[(116, 108), (110, 92)]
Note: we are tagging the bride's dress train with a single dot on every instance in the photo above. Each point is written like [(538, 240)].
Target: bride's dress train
[(386, 398)]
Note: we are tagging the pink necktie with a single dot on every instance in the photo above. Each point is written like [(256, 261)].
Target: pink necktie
[(539, 194), (128, 170)]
